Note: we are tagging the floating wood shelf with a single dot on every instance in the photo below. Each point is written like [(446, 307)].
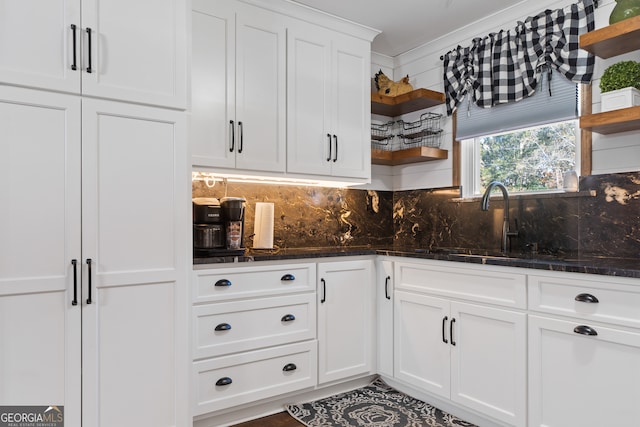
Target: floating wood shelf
[(410, 155), (394, 106), (623, 120), (613, 40)]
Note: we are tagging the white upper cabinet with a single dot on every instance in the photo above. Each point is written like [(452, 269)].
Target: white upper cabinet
[(238, 87), (132, 50), (328, 103)]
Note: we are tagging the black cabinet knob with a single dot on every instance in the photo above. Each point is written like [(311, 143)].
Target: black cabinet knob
[(587, 298), (288, 318), (223, 327), (289, 367), (288, 278), (223, 282), (224, 381), (585, 330)]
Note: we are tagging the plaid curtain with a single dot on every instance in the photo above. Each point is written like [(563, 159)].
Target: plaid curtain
[(507, 66)]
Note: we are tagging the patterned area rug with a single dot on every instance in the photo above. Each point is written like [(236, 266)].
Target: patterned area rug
[(376, 405)]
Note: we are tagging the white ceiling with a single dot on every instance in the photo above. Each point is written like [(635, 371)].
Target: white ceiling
[(406, 24)]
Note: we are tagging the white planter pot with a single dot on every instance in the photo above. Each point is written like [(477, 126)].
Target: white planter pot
[(621, 98)]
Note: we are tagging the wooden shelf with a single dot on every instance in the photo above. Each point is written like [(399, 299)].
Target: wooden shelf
[(623, 120), (394, 106), (613, 40), (410, 155)]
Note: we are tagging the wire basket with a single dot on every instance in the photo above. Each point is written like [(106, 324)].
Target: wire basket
[(381, 136), (425, 132)]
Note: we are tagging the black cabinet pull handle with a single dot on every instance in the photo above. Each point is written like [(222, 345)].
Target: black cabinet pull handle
[(329, 138), (223, 282), (223, 327), (232, 129), (324, 291), (585, 330), (74, 262), (89, 67), (289, 367), (453, 320), (587, 298), (241, 131), (335, 154), (89, 275), (444, 323), (224, 381), (74, 65), (288, 278), (288, 318), (386, 287)]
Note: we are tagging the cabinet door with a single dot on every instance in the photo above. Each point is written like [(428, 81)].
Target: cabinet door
[(345, 316), (421, 342), (213, 84), (488, 361), (36, 44), (582, 380), (135, 226), (40, 229), (138, 50), (260, 90), (351, 63), (384, 327), (309, 137)]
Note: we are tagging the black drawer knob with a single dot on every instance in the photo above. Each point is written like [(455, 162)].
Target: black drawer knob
[(223, 327), (289, 367), (585, 330), (587, 298), (223, 282), (288, 318), (224, 381), (288, 278)]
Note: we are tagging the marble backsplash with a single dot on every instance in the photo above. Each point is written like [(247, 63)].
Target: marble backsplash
[(314, 217), (603, 219)]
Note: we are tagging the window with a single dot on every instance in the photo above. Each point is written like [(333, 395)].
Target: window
[(533, 159), (527, 145)]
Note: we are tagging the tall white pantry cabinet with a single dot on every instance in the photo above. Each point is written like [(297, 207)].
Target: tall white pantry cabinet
[(94, 222)]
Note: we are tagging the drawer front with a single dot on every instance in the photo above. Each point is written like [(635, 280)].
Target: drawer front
[(251, 281), (487, 286), (232, 327), (600, 301), (254, 375)]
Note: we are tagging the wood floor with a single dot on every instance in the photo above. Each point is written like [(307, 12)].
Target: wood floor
[(281, 419)]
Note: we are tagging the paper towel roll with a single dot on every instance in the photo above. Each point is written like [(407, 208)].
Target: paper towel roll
[(263, 226)]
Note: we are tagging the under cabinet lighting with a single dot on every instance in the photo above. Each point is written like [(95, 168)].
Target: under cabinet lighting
[(210, 179)]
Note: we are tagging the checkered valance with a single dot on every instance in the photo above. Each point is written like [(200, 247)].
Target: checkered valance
[(506, 66)]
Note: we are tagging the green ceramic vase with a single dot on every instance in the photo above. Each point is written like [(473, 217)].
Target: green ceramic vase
[(624, 9)]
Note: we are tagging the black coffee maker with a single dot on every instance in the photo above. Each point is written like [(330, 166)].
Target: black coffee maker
[(218, 226)]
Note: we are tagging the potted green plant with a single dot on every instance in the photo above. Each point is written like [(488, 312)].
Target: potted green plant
[(620, 86)]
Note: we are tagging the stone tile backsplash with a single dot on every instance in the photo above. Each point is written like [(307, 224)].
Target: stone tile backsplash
[(573, 224)]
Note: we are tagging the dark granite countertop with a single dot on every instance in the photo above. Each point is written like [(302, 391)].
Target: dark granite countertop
[(620, 267)]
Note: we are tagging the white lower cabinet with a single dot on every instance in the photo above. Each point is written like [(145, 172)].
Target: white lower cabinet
[(242, 378), (384, 318), (254, 333), (345, 319), (472, 354), (583, 372)]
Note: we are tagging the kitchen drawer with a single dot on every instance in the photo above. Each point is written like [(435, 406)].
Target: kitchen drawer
[(252, 324), (254, 375), (487, 286), (251, 281), (616, 303)]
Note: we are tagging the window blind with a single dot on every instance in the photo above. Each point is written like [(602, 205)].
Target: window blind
[(538, 109)]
